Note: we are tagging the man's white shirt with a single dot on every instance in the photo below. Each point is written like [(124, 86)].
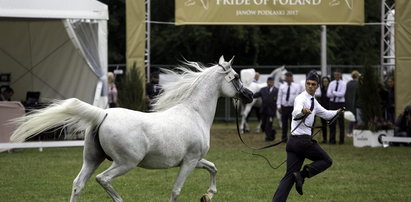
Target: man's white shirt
[(338, 94), (295, 89), (303, 100)]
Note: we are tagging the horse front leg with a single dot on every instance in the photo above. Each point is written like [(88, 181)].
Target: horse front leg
[(213, 172), (244, 125), (185, 169)]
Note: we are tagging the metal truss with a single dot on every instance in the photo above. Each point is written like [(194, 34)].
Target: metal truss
[(387, 38)]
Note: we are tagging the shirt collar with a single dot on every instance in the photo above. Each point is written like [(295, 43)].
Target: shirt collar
[(307, 95)]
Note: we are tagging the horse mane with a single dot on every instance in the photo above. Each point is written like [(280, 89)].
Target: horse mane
[(174, 93)]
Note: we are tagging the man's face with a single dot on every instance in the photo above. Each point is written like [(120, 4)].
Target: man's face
[(337, 75), (8, 95), (288, 79), (154, 80), (270, 83), (390, 83), (311, 86)]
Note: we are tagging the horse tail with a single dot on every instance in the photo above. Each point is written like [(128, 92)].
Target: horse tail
[(72, 113)]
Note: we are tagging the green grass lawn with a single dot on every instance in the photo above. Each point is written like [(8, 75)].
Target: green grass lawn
[(357, 174)]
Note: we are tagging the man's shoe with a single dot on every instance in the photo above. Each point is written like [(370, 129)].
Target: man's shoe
[(299, 181)]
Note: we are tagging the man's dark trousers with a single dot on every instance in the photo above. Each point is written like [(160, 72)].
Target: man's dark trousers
[(340, 120), (286, 115), (298, 148), (267, 126)]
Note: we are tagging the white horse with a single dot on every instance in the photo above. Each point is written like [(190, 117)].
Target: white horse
[(177, 135), (247, 76)]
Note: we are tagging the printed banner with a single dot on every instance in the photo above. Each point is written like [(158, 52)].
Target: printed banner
[(270, 12), (136, 33), (402, 55)]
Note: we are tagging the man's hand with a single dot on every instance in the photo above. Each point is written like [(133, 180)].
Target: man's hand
[(306, 111), (340, 110), (303, 115)]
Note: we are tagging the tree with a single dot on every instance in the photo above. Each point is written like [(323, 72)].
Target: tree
[(369, 99), (116, 31)]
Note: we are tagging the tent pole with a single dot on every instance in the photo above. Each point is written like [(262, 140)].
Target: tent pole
[(148, 34), (324, 50)]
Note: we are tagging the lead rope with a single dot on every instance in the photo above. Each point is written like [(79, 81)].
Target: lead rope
[(239, 135), (275, 144), (258, 148), (255, 148)]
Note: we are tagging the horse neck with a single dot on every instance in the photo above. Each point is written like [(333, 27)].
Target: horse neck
[(204, 98)]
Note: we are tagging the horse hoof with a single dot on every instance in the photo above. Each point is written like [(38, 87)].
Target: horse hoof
[(205, 198)]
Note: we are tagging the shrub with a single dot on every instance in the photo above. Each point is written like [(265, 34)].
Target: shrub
[(370, 102), (132, 90)]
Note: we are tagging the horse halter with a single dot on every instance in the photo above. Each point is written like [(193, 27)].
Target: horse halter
[(230, 77)]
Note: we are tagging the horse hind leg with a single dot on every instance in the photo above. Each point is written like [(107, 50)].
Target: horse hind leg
[(210, 167), (93, 156), (86, 171), (105, 178)]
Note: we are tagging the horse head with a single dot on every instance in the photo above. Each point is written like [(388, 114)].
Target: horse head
[(278, 75), (232, 85)]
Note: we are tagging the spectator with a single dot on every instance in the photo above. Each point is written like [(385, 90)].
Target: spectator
[(351, 99), (112, 90), (152, 89), (403, 124), (383, 99), (325, 102), (268, 109), (285, 101), (256, 77), (390, 99), (336, 93), (6, 94)]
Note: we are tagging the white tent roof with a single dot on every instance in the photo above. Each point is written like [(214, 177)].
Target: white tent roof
[(56, 9)]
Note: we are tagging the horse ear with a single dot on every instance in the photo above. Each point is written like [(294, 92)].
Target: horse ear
[(231, 61), (222, 60)]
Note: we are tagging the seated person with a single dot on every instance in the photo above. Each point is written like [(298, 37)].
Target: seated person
[(6, 94), (403, 123)]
